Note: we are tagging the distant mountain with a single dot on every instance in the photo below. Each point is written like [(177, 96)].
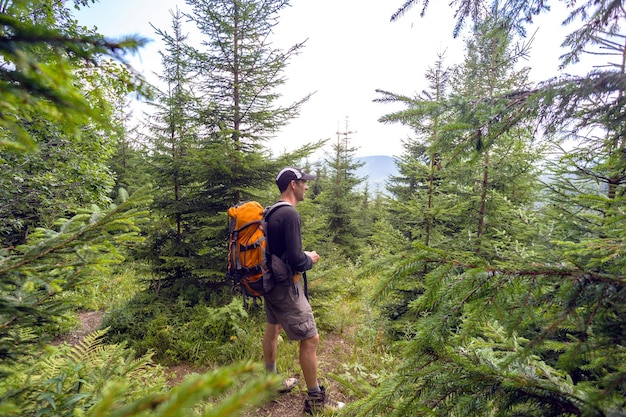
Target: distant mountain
[(376, 170)]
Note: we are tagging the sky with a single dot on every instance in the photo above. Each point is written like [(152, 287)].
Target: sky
[(351, 50)]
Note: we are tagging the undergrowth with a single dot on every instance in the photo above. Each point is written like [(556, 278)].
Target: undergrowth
[(146, 333)]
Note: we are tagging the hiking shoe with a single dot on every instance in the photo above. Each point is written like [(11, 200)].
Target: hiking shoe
[(288, 385), (318, 402)]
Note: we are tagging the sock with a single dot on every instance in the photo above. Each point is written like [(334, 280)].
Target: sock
[(314, 390), (270, 368)]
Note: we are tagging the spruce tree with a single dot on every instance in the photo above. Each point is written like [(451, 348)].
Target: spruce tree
[(174, 140), (538, 332), (496, 146), (340, 200), (239, 73), (209, 136)]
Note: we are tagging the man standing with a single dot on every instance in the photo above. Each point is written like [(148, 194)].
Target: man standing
[(286, 306)]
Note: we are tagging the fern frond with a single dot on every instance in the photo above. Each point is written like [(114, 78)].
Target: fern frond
[(86, 347), (191, 391)]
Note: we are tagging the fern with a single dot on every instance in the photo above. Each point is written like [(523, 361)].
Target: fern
[(72, 378), (88, 348), (179, 401)]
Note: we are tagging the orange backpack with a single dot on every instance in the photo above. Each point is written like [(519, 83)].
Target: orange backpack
[(247, 248)]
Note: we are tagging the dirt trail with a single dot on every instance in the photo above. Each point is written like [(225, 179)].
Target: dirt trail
[(330, 353), (332, 349)]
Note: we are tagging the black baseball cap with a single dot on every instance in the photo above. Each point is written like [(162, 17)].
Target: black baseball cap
[(287, 174)]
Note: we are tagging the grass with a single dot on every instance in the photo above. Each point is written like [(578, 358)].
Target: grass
[(353, 354)]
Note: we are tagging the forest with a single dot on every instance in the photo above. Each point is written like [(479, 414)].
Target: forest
[(488, 279)]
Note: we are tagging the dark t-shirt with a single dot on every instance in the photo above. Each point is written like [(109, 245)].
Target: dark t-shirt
[(285, 238)]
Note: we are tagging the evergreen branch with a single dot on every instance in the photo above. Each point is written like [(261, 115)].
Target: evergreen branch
[(52, 244), (556, 102), (29, 35)]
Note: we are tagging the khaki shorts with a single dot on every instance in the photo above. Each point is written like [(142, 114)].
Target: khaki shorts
[(286, 305)]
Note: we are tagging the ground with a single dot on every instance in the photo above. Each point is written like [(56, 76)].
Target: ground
[(332, 348)]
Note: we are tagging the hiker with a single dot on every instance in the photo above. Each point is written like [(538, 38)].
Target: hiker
[(286, 305)]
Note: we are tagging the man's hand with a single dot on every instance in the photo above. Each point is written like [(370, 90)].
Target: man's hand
[(313, 255)]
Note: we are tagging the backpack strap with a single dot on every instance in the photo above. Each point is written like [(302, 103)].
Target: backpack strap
[(266, 215)]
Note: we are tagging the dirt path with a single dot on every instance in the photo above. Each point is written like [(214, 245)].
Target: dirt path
[(90, 321), (333, 348)]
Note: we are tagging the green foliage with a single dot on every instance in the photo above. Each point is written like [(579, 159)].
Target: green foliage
[(225, 383), (384, 239), (70, 380), (58, 94), (333, 291), (43, 46), (527, 322), (34, 276), (109, 289), (93, 379), (490, 342), (366, 357), (199, 334), (65, 174), (492, 300)]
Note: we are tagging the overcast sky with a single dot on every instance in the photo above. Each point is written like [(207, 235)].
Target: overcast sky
[(352, 49)]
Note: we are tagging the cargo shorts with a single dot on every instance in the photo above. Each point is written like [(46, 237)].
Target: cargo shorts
[(287, 305)]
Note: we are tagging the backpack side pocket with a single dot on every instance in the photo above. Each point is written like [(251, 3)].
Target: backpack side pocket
[(281, 271)]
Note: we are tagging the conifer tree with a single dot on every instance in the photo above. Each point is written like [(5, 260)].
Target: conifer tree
[(586, 203), (340, 200), (209, 132), (538, 333), (420, 166), (174, 143), (496, 146), (129, 162), (239, 73), (448, 164)]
